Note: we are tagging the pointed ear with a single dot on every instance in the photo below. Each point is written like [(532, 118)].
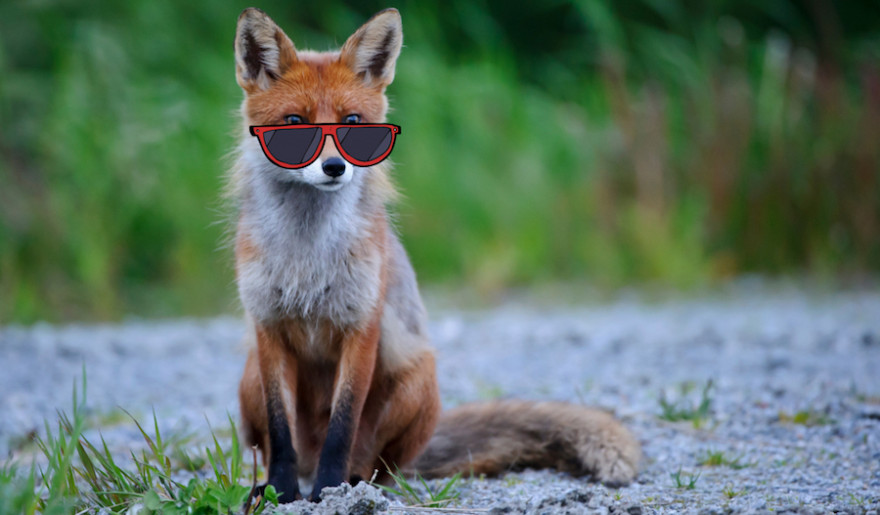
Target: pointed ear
[(372, 51), (263, 52)]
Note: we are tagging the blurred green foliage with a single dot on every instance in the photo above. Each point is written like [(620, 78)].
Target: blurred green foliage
[(678, 142)]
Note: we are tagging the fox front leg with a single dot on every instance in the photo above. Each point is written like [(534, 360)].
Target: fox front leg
[(355, 374), (282, 457)]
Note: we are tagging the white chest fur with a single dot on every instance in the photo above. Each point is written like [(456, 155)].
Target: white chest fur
[(317, 257)]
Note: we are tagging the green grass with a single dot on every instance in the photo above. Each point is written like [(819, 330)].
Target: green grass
[(510, 480), (856, 500), (719, 459), (685, 480), (684, 408), (606, 142), (731, 492), (807, 418), (17, 491), (422, 494), (81, 476)]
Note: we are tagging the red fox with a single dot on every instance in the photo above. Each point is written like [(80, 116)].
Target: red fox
[(341, 379)]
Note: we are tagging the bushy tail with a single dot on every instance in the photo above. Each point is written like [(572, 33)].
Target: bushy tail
[(492, 438)]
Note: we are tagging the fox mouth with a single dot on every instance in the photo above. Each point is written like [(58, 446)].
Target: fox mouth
[(331, 185)]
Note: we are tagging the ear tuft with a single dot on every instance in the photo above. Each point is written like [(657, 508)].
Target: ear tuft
[(263, 52), (373, 49)]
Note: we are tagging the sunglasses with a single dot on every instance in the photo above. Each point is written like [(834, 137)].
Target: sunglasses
[(298, 145)]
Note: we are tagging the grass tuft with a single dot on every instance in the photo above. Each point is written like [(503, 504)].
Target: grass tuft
[(80, 476), (719, 459), (685, 480), (440, 497), (683, 410), (807, 418), (730, 492)]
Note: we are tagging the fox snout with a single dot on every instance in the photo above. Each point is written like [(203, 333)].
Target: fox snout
[(328, 173), (333, 167)]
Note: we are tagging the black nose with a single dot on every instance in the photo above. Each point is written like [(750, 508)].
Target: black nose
[(334, 166)]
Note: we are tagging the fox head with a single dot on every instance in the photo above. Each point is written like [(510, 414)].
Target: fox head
[(282, 85)]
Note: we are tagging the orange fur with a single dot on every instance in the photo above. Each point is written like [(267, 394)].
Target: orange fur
[(246, 249), (321, 88)]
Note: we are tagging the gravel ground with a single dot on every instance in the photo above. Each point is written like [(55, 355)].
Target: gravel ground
[(794, 388)]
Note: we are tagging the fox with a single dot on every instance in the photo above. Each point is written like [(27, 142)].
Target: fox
[(339, 382)]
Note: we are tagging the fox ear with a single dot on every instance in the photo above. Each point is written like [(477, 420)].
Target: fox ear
[(263, 52), (372, 51)]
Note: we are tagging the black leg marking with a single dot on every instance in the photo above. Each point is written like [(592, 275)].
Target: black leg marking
[(282, 457), (333, 464)]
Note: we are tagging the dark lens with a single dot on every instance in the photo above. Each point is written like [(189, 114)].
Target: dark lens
[(364, 143), (293, 146)]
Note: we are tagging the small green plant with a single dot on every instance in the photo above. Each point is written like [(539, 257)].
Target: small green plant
[(856, 499), (730, 493), (438, 498), (718, 459), (511, 481), (807, 418), (58, 488), (713, 459), (681, 410), (685, 480)]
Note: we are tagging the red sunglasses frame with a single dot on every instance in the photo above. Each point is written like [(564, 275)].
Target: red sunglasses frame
[(326, 129)]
